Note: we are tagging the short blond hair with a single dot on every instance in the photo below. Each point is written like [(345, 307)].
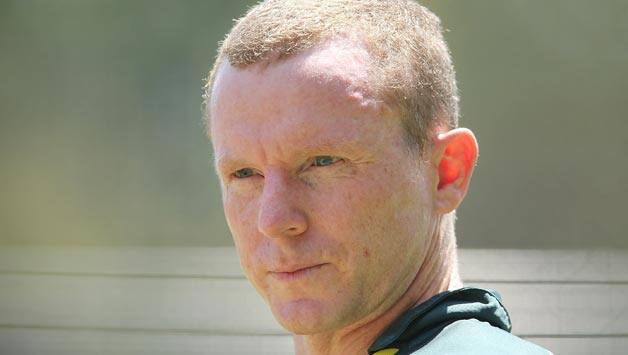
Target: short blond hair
[(411, 63)]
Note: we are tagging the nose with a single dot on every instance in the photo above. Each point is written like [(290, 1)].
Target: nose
[(280, 214)]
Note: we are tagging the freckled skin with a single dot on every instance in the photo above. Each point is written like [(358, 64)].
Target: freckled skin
[(365, 217)]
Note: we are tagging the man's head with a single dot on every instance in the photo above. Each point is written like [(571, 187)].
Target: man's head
[(337, 171)]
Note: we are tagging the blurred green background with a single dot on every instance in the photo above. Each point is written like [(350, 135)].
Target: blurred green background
[(101, 141)]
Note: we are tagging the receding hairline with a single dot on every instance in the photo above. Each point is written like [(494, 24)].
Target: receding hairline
[(359, 72), (354, 41)]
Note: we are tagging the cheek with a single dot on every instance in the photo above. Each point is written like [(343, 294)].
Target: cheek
[(239, 212), (373, 220), (368, 204), (241, 219), (358, 214)]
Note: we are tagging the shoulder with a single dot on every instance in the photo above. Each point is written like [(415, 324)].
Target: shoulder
[(471, 336)]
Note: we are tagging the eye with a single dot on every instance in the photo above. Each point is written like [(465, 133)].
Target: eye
[(243, 173), (325, 160)]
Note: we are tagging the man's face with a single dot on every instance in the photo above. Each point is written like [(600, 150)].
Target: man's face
[(329, 210)]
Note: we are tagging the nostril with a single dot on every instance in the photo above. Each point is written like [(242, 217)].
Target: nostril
[(295, 230), (298, 227)]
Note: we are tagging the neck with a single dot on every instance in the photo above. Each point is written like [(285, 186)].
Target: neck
[(438, 273)]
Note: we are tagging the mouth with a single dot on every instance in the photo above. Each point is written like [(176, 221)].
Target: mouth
[(296, 274)]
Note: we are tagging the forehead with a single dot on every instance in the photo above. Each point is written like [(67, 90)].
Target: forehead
[(339, 63), (297, 99)]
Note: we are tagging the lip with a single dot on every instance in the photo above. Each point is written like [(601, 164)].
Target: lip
[(296, 273)]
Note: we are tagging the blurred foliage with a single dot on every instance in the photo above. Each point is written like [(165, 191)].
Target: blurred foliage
[(101, 140)]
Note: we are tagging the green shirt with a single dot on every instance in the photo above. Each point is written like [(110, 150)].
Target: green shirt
[(465, 321)]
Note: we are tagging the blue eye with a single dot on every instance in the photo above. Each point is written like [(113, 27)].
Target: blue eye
[(244, 173), (324, 160)]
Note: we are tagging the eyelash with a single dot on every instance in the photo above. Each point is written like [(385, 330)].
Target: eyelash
[(315, 163)]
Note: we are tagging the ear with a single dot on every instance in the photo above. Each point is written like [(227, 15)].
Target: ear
[(455, 155)]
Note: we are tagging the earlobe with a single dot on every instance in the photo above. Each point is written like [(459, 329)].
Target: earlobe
[(456, 153)]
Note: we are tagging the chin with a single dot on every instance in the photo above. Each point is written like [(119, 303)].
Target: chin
[(305, 316)]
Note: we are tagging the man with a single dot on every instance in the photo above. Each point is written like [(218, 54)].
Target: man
[(334, 127)]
